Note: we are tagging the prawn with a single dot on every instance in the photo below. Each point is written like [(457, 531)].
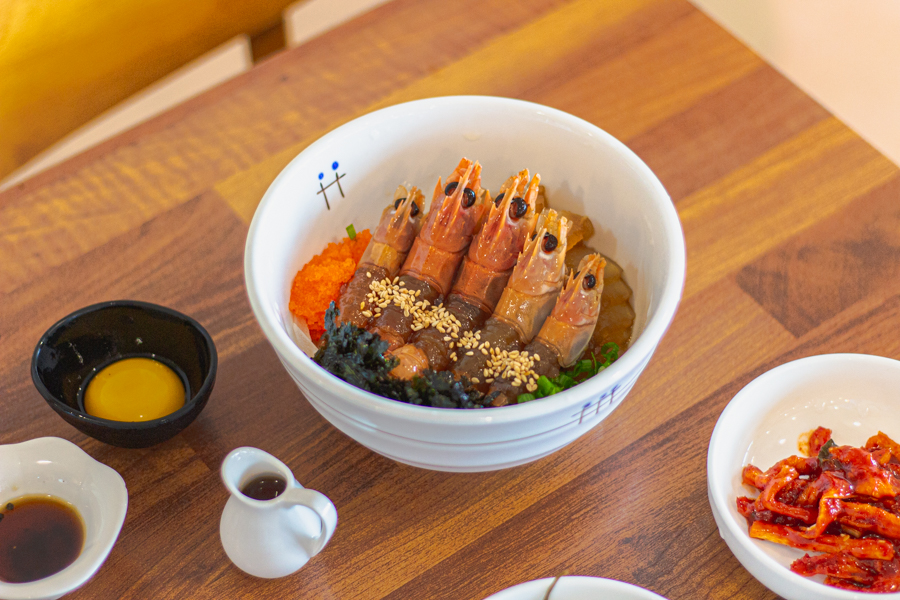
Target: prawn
[(482, 277), (429, 268), (525, 303), (384, 255), (563, 336)]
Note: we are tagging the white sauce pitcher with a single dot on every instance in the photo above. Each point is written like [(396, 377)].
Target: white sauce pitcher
[(271, 538)]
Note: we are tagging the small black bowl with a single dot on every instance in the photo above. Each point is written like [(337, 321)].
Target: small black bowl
[(94, 336)]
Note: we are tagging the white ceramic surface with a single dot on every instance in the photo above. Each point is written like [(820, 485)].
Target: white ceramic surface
[(271, 538), (59, 468), (854, 395), (576, 588), (584, 170)]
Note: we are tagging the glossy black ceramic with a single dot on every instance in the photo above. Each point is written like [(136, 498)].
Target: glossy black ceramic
[(96, 335)]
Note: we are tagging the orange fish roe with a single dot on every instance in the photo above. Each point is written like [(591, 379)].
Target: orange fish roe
[(319, 282)]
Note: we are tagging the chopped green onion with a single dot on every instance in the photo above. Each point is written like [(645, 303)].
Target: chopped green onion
[(351, 231), (582, 370), (565, 381), (547, 387), (610, 353)]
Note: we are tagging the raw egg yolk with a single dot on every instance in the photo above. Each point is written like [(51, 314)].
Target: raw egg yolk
[(134, 389)]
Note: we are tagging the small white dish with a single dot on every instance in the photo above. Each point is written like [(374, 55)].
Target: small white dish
[(55, 467), (576, 588), (854, 395)]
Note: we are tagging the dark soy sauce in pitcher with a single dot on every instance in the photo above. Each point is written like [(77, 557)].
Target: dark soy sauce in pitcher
[(264, 487)]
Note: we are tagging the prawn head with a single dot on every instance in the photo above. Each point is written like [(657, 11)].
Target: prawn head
[(456, 209), (541, 263), (400, 220), (509, 222)]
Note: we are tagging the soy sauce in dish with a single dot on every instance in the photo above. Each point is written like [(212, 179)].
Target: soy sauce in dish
[(39, 536), (264, 487)]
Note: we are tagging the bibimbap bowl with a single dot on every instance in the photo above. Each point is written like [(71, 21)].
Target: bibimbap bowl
[(349, 176)]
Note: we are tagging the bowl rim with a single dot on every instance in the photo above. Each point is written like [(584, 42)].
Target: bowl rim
[(639, 351), (718, 483), (586, 581), (91, 558), (60, 406)]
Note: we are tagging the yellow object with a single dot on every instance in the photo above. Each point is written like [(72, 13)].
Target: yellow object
[(134, 389), (63, 62)]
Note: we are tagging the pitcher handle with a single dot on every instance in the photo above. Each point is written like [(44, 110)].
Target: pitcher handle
[(319, 504)]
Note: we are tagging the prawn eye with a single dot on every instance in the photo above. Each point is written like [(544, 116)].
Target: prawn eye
[(517, 208), (589, 281), (550, 242), (468, 197), (397, 202), (499, 199), (414, 209), (451, 187)]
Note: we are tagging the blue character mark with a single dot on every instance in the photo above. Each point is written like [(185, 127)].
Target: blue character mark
[(602, 401), (337, 180)]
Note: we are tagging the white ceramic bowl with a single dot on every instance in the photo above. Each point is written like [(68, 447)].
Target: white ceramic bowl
[(854, 395), (56, 467), (584, 169), (576, 588)]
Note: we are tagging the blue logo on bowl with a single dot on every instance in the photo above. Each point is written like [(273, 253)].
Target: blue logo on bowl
[(337, 180)]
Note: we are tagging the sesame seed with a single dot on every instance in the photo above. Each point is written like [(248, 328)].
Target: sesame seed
[(470, 353), (385, 293), (368, 274), (367, 313), (362, 305), (475, 380)]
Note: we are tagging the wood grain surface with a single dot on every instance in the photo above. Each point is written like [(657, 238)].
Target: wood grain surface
[(792, 225)]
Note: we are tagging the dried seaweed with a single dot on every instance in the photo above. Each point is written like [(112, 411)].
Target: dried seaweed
[(357, 356)]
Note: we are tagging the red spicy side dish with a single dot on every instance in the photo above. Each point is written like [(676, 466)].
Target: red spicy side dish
[(840, 500)]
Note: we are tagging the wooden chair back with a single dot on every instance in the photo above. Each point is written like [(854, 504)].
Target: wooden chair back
[(62, 62)]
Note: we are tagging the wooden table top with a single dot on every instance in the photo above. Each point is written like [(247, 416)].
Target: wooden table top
[(792, 225)]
